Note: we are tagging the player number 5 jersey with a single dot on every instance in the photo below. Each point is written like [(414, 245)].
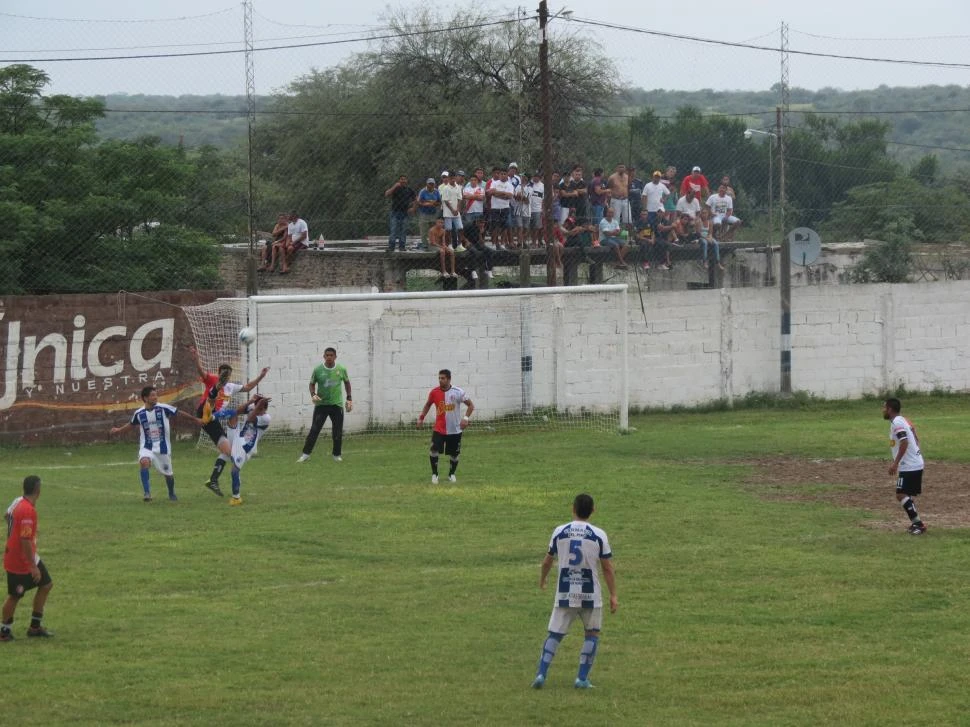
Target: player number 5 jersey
[(579, 547), (900, 429)]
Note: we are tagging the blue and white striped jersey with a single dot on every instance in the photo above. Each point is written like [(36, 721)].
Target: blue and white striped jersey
[(154, 432), (579, 548)]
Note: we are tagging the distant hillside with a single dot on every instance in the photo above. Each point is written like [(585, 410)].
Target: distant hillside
[(924, 116)]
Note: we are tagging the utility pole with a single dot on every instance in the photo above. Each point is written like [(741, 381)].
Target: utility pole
[(784, 274), (545, 112), (251, 278)]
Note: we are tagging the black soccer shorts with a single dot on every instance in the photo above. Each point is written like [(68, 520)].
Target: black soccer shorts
[(910, 483)]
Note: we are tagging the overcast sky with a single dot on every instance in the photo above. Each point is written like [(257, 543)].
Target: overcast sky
[(931, 30)]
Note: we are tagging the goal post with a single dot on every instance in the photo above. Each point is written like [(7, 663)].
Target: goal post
[(553, 357)]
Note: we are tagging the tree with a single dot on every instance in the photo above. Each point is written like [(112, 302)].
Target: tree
[(438, 94), (79, 216)]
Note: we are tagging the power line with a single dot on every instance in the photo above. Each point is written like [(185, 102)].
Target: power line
[(387, 36), (732, 44), (106, 20), (903, 38)]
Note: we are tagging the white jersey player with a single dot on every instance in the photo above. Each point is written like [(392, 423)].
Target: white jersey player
[(245, 437), (907, 462), (155, 439), (580, 550)]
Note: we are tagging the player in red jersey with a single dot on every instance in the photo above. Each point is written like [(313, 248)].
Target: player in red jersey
[(448, 423), (25, 570)]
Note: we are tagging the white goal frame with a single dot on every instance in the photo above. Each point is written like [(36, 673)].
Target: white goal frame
[(578, 329)]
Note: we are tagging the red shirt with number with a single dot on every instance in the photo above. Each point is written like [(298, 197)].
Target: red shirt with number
[(21, 523)]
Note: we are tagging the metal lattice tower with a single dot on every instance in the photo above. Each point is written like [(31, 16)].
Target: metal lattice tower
[(785, 88), (251, 128)]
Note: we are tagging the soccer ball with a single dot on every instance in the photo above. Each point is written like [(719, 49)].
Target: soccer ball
[(247, 336)]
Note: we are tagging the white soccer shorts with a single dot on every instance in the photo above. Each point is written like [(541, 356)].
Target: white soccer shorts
[(562, 618), (162, 462)]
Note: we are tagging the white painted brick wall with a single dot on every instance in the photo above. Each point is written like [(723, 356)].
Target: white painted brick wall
[(693, 347)]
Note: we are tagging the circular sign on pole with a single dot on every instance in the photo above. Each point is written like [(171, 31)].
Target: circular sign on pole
[(805, 245)]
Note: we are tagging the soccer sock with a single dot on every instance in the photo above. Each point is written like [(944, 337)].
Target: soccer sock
[(217, 468), (586, 656), (35, 618), (170, 484), (548, 651), (434, 463), (5, 626), (235, 482), (144, 482), (454, 466), (910, 507)]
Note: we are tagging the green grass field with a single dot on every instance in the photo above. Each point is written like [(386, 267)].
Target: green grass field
[(358, 594)]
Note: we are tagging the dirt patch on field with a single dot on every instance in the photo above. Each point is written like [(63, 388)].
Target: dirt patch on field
[(866, 484)]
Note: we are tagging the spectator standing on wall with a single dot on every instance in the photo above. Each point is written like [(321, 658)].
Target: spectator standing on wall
[(537, 191), (597, 194), (429, 202), (500, 195), (474, 196), (654, 194), (705, 228), (575, 195), (451, 207), (696, 181), (402, 203), (328, 383)]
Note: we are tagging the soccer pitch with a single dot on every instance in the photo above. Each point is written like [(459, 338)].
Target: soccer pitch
[(761, 579)]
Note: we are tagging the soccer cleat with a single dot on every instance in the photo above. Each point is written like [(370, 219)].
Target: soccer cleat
[(6, 636), (917, 529), (214, 486), (303, 458), (235, 500), (172, 498), (39, 633), (338, 458), (452, 478), (538, 681), (147, 498), (583, 684), (434, 479)]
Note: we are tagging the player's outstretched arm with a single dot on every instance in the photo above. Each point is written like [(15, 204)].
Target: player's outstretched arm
[(609, 575), (250, 385), (184, 415), (198, 361), (123, 427)]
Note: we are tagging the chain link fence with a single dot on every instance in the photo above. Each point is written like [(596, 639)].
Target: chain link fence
[(144, 191)]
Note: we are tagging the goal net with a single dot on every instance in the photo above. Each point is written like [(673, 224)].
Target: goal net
[(528, 358)]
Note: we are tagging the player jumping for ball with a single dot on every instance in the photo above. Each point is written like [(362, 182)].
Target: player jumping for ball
[(245, 438), (448, 423), (907, 462), (154, 439), (219, 390)]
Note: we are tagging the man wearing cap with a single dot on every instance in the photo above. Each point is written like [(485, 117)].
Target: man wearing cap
[(429, 200), (451, 208), (654, 193), (696, 181), (402, 198)]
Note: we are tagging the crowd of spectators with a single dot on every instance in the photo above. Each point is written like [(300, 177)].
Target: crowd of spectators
[(458, 212)]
